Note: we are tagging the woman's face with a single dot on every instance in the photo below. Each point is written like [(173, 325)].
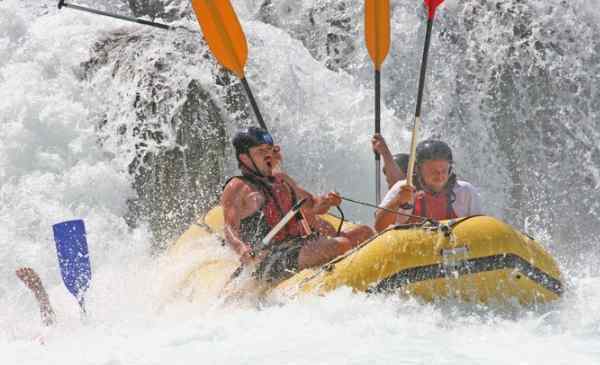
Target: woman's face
[(435, 174)]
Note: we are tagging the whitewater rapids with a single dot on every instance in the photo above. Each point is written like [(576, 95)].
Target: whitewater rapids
[(52, 169)]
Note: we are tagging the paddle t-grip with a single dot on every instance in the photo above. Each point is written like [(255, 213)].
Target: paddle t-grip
[(60, 4)]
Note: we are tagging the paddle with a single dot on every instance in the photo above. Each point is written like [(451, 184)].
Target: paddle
[(226, 39), (432, 6), (62, 3), (377, 37), (272, 233), (73, 258)]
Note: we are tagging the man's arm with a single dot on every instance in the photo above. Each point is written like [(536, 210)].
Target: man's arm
[(308, 210), (322, 204), (315, 204), (231, 201), (391, 168)]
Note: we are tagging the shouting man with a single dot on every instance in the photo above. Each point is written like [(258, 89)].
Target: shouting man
[(254, 202)]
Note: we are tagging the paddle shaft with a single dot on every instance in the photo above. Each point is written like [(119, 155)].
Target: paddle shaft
[(413, 142), (61, 3), (377, 40), (377, 131), (254, 105), (266, 241), (264, 244), (83, 311)]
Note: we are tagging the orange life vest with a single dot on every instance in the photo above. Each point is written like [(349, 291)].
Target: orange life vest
[(435, 206)]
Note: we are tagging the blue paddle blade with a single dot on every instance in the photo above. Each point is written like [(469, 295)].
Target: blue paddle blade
[(73, 257)]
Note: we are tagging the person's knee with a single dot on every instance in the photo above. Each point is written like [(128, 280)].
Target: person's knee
[(322, 251), (367, 231), (344, 244), (361, 232)]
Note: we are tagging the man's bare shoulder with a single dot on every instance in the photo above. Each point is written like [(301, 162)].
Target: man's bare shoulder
[(236, 188), (234, 184)]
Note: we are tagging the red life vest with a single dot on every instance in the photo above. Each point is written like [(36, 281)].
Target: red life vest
[(278, 202), (434, 206), (279, 199)]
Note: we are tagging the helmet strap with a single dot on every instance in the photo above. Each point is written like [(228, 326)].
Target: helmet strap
[(254, 170)]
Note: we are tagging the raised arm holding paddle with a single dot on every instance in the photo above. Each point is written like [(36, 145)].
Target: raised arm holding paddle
[(377, 39)]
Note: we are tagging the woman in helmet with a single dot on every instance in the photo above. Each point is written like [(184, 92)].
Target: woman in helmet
[(437, 194)]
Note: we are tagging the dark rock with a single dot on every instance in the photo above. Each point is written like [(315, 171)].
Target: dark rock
[(328, 28), (167, 122)]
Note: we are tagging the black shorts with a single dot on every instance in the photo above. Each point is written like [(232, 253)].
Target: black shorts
[(282, 260)]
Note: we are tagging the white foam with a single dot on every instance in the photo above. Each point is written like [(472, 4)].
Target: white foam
[(51, 169)]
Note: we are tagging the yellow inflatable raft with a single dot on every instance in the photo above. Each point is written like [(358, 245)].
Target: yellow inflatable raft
[(474, 259)]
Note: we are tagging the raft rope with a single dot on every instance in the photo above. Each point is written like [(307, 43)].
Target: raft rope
[(423, 219)]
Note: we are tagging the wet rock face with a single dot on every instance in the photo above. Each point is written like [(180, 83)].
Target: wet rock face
[(176, 182), (162, 120), (168, 10), (327, 28), (525, 74), (337, 32)]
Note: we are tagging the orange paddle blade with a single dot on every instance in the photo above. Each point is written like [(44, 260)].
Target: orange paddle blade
[(377, 30), (223, 33)]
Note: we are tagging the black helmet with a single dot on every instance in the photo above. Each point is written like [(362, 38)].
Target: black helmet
[(250, 137), (433, 150), (401, 159)]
